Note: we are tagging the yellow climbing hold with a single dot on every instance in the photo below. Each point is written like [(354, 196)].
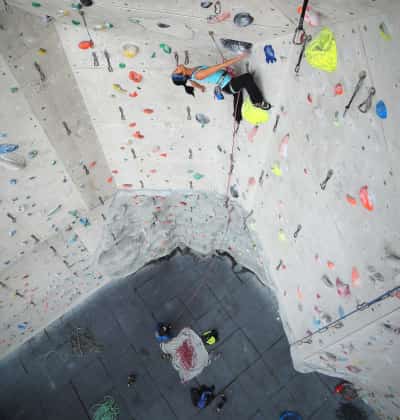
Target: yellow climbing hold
[(252, 114), (281, 235), (42, 51), (119, 88), (276, 169), (321, 53)]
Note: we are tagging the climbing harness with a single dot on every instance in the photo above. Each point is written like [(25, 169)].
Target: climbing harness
[(362, 75), (365, 106), (299, 33), (327, 178), (307, 39), (338, 322)]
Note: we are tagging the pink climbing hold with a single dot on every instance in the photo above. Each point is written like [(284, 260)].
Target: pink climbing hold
[(366, 199), (252, 181), (309, 98), (343, 289), (252, 134), (331, 265), (283, 147)]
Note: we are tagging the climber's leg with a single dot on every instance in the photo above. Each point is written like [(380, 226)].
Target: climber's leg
[(246, 81)]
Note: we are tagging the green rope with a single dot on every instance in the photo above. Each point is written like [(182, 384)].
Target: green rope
[(108, 410)]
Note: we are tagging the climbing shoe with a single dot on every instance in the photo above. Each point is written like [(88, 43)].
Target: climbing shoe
[(263, 105)]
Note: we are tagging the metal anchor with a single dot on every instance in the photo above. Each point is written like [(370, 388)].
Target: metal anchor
[(307, 39), (361, 77), (365, 106)]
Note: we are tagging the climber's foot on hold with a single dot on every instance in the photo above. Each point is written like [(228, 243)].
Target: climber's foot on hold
[(263, 105)]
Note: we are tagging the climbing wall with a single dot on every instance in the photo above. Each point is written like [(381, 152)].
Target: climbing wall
[(308, 200)]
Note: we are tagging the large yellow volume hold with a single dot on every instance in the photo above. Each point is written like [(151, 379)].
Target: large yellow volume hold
[(321, 53)]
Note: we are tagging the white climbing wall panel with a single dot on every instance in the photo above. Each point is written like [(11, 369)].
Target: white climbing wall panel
[(174, 173)]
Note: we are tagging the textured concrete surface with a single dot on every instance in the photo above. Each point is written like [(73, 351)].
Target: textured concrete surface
[(47, 246), (45, 380)]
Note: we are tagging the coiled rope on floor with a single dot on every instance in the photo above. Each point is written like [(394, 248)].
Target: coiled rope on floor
[(107, 410)]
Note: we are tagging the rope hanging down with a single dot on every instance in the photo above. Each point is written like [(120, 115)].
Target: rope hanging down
[(338, 322), (231, 166)]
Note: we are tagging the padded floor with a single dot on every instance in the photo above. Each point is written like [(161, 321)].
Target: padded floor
[(45, 380)]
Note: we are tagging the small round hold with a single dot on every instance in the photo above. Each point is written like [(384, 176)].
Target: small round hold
[(243, 19), (87, 3)]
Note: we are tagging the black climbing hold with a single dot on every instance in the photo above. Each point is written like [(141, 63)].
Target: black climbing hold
[(243, 19), (87, 3)]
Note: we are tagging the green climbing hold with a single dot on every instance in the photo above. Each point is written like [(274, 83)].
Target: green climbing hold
[(35, 4), (153, 55), (76, 22), (166, 48), (122, 65), (197, 176), (14, 89)]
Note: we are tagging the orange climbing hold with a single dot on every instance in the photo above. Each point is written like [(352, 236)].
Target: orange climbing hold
[(355, 277), (148, 111), (351, 200), (135, 77), (133, 94), (110, 179), (365, 198), (84, 45)]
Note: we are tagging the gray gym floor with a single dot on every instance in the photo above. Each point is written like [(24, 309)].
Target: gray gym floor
[(45, 380)]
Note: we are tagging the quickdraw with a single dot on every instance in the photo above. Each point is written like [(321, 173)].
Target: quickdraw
[(299, 33)]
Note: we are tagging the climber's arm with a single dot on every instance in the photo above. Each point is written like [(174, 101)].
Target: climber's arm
[(202, 74)]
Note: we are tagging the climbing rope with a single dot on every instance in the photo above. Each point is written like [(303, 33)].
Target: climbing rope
[(204, 281), (107, 410), (83, 341), (338, 322)]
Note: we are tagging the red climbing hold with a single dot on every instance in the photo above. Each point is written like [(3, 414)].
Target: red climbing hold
[(365, 198), (351, 200), (133, 124), (135, 77), (330, 265), (110, 179), (138, 135), (163, 155), (148, 111), (133, 94), (84, 45)]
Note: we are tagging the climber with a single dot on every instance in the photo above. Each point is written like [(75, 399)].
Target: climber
[(224, 81), (163, 332)]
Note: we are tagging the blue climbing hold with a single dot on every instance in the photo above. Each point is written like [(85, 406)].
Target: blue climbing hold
[(7, 148), (381, 110), (269, 54), (290, 415)]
